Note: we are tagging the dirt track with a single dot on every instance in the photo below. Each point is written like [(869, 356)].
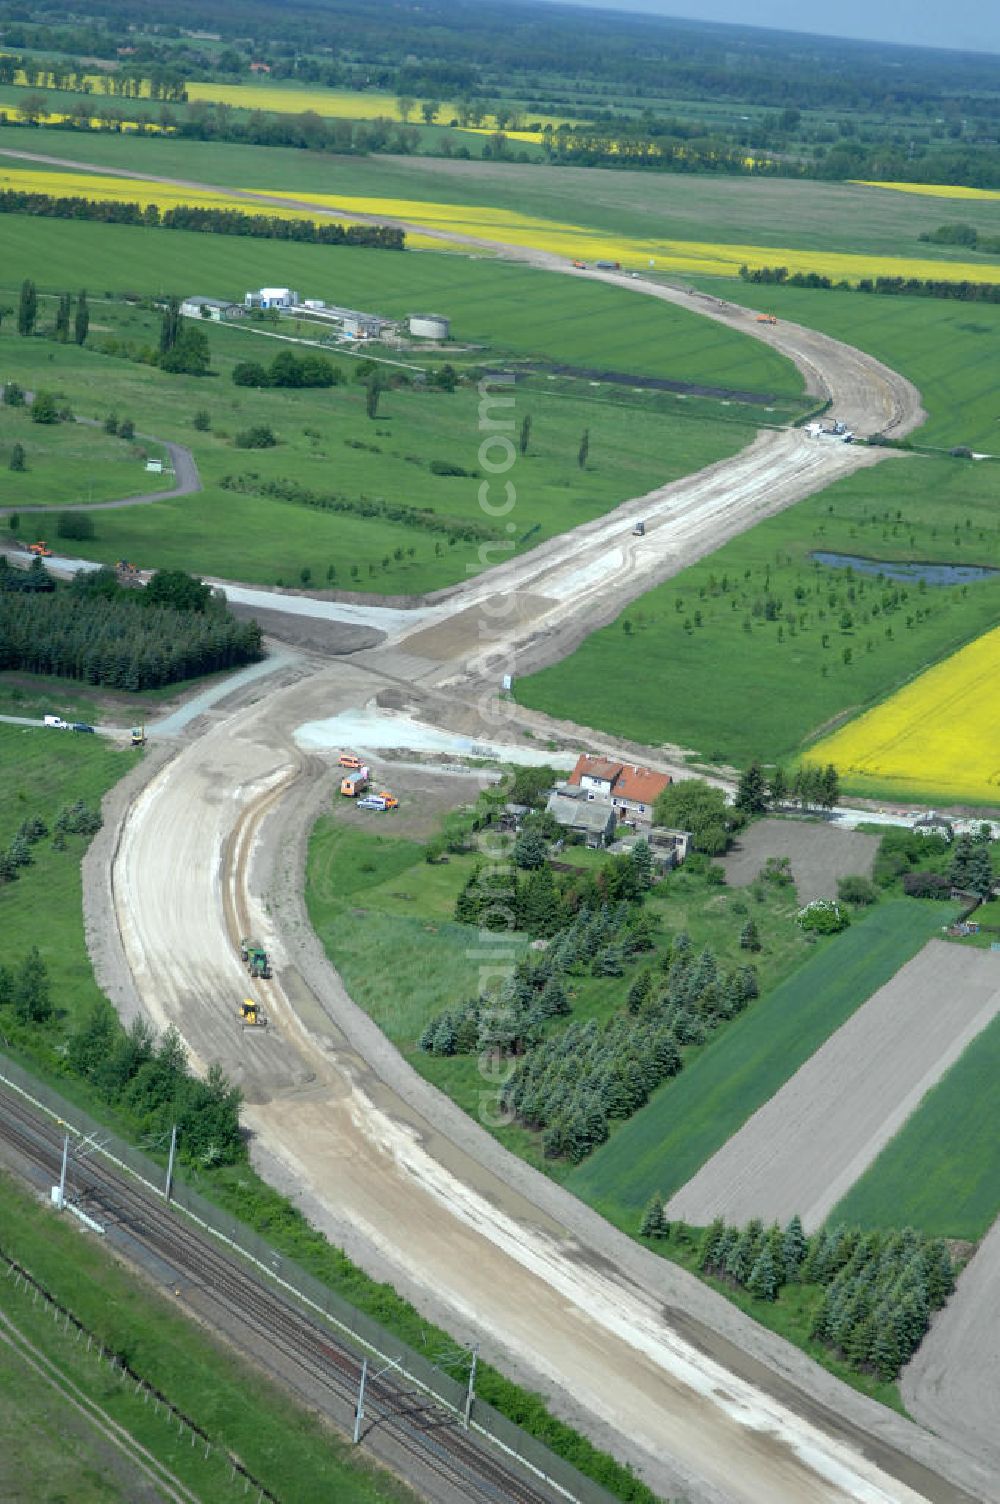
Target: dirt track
[(645, 1359), (803, 1150)]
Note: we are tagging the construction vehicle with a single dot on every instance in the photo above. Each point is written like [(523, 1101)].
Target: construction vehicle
[(581, 266), (639, 531), (138, 736), (348, 760), (355, 783), (250, 1014), (254, 958), (766, 318), (41, 549), (127, 573)]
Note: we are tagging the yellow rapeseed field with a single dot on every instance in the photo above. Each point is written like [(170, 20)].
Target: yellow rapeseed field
[(485, 224), (339, 104), (939, 735), (934, 190)]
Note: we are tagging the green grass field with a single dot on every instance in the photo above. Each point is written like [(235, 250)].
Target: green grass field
[(941, 1172), (285, 1447), (778, 212), (324, 444), (689, 1118), (949, 350), (399, 904), (70, 463), (505, 308), (777, 683), (42, 770)]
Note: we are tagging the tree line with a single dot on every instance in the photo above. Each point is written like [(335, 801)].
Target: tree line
[(201, 220), (570, 1083), (962, 290), (288, 370), (249, 483), (103, 639), (879, 1288)]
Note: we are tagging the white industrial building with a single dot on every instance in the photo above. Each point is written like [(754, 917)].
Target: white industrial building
[(272, 297)]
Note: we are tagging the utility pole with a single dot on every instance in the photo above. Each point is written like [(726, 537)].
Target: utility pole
[(170, 1162), (359, 1413), (62, 1173), (471, 1392)]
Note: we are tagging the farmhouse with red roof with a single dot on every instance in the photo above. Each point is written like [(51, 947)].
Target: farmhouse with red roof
[(633, 791)]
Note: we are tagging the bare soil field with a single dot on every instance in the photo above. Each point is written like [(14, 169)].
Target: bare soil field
[(805, 1148), (819, 854), (953, 1384)]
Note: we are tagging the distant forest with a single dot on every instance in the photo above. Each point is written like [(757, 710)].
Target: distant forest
[(890, 111)]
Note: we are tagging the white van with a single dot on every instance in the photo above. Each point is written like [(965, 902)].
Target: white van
[(57, 720)]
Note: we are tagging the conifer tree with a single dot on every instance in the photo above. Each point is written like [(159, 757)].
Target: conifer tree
[(81, 324), (651, 1225)]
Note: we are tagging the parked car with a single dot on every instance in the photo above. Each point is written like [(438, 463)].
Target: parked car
[(82, 726)]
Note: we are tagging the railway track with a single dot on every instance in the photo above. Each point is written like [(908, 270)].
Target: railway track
[(402, 1426)]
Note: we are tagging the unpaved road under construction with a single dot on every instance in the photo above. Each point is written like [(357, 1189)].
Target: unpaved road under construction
[(649, 1362)]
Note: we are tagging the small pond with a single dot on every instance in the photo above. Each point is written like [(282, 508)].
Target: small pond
[(931, 574)]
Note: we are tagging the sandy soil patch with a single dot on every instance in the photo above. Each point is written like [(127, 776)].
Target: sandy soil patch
[(803, 1150), (819, 854)]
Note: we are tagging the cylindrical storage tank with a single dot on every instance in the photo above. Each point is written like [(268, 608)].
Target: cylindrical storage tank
[(429, 325)]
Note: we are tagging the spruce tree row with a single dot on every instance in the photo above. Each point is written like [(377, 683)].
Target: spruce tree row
[(880, 1287), (111, 642), (571, 1083)]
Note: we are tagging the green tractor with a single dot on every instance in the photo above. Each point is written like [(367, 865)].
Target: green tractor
[(254, 958)]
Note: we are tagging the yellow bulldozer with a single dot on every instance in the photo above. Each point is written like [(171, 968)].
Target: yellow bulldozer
[(250, 1014)]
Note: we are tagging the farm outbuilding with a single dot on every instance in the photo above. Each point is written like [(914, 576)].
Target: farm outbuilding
[(429, 325), (593, 820), (210, 308)]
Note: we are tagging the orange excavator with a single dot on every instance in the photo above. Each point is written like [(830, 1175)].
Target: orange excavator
[(41, 550)]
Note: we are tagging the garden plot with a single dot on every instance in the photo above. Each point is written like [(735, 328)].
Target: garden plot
[(819, 854), (804, 1148)]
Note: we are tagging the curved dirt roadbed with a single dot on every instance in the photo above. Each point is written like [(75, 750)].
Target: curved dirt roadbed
[(953, 1384), (868, 396), (644, 1358)]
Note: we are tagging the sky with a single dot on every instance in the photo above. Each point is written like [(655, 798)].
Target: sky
[(969, 25)]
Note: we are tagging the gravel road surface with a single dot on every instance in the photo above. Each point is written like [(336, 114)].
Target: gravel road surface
[(803, 1150)]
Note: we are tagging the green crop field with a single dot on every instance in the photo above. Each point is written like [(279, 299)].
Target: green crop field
[(688, 1119), (41, 771), (69, 463), (506, 309), (329, 445), (778, 682), (950, 350), (284, 1446), (776, 212), (941, 1172)]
